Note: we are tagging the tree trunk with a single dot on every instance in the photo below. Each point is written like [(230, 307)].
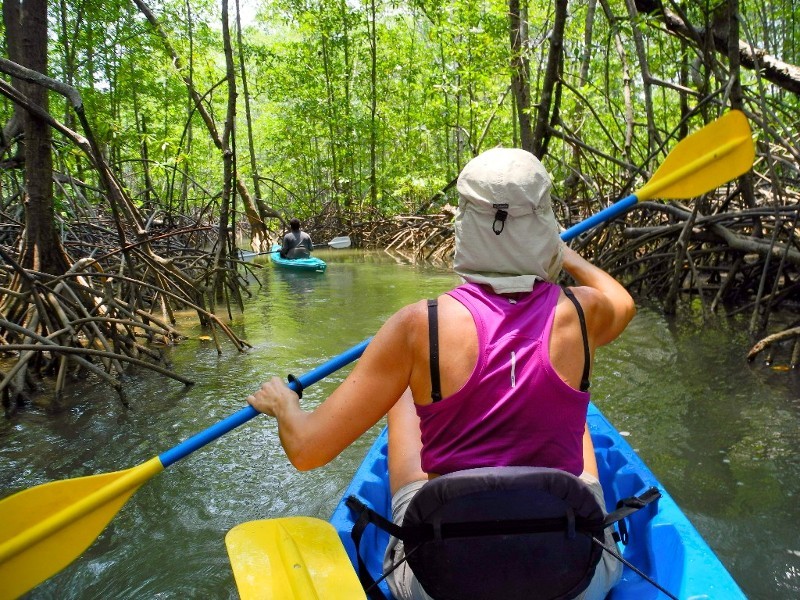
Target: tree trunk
[(26, 32), (520, 73), (653, 139), (626, 84), (774, 70), (373, 128), (247, 113), (541, 134), (573, 180), (226, 242)]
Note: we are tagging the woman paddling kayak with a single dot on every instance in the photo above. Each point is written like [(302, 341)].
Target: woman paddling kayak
[(494, 373)]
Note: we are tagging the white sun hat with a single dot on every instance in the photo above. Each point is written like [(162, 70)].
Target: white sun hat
[(507, 236)]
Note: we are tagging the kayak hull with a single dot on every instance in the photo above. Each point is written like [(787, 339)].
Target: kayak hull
[(662, 542), (297, 264)]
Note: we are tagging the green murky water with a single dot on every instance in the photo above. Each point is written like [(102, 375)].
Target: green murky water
[(723, 436)]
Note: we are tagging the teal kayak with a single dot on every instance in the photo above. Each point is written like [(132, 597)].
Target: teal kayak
[(298, 264), (663, 544)]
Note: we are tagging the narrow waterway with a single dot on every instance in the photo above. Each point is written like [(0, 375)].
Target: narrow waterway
[(723, 436)]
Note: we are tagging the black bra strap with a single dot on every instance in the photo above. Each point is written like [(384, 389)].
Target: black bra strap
[(433, 342), (582, 318)]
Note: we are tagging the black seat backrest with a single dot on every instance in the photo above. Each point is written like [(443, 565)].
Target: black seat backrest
[(503, 532)]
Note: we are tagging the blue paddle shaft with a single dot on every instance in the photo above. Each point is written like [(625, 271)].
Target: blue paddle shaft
[(243, 415), (604, 215)]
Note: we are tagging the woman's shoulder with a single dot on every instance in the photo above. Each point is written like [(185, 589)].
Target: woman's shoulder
[(413, 318), (589, 297), (604, 319), (594, 304), (410, 315)]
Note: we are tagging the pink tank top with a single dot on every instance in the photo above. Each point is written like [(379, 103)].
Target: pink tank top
[(514, 410)]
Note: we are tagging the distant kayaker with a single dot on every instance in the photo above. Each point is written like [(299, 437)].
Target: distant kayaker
[(492, 373), (297, 243)]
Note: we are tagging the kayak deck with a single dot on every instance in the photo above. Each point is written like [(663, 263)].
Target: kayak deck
[(662, 542), (298, 264)]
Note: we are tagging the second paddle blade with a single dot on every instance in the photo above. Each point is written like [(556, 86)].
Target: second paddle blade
[(291, 558)]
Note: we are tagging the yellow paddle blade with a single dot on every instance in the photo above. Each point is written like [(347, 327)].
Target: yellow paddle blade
[(291, 558), (44, 528), (703, 161)]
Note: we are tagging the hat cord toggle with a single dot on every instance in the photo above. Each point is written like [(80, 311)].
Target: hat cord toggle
[(499, 217)]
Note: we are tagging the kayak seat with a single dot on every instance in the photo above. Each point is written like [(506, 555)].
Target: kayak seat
[(498, 532)]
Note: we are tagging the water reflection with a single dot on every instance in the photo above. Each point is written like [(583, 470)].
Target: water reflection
[(297, 285), (721, 435)]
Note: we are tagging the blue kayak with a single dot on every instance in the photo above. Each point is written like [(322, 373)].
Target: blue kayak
[(298, 264), (663, 544)]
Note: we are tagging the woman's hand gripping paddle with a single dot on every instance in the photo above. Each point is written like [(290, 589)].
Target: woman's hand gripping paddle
[(44, 528)]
